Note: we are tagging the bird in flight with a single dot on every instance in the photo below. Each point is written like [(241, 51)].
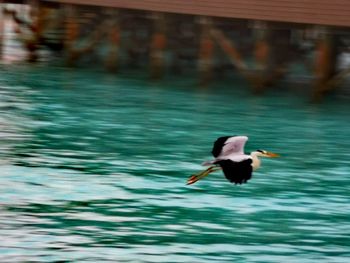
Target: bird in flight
[(229, 156)]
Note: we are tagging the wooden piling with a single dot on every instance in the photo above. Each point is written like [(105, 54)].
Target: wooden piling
[(262, 52), (74, 51), (157, 48), (325, 64), (31, 43), (205, 56), (230, 49), (113, 36), (262, 48), (233, 53), (281, 54), (72, 34)]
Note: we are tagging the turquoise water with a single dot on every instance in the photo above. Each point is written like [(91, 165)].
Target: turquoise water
[(93, 169)]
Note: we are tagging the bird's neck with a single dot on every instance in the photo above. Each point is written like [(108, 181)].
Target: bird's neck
[(256, 161)]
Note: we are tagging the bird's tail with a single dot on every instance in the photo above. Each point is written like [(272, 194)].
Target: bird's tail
[(196, 177)]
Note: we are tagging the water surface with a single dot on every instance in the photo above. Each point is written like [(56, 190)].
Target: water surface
[(93, 169)]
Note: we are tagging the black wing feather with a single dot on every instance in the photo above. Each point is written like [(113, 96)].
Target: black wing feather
[(218, 144), (237, 172)]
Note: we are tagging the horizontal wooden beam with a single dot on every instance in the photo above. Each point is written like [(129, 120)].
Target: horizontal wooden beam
[(322, 12)]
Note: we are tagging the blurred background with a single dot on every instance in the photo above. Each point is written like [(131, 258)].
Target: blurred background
[(106, 108)]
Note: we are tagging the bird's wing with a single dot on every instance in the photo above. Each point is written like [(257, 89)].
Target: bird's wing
[(227, 145), (218, 145), (237, 172)]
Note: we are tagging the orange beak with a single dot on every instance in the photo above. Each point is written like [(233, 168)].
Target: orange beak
[(272, 155)]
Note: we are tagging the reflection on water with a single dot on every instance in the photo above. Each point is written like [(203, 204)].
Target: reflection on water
[(93, 169)]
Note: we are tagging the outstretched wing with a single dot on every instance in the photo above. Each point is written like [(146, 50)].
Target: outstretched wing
[(237, 172), (227, 145)]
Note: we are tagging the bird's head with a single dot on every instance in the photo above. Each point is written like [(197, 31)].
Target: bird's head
[(263, 153)]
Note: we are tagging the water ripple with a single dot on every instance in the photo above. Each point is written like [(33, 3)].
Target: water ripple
[(93, 169)]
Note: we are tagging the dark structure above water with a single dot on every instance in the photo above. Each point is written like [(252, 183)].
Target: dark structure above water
[(259, 40), (322, 12)]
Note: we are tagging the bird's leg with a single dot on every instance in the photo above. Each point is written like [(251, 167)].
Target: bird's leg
[(194, 178)]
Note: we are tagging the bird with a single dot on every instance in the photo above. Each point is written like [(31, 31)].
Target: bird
[(229, 156)]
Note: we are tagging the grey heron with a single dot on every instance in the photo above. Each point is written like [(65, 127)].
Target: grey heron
[(229, 156)]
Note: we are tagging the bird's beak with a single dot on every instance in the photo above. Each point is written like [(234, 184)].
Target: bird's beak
[(272, 155)]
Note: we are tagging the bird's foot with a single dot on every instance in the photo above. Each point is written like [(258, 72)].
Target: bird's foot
[(194, 178)]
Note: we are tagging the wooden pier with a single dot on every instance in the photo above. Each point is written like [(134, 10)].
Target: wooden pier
[(258, 40)]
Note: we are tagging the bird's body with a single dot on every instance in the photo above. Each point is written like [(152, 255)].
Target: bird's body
[(228, 152)]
